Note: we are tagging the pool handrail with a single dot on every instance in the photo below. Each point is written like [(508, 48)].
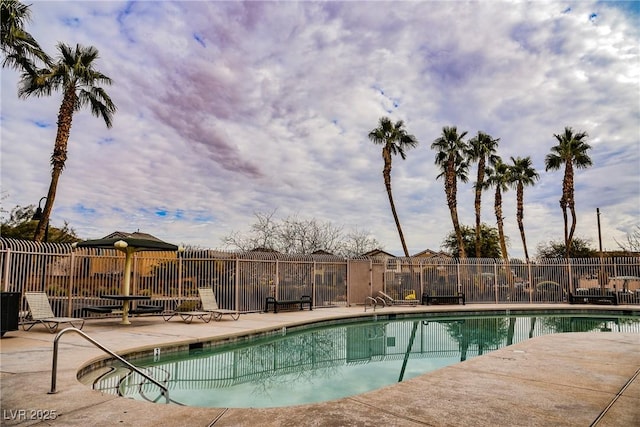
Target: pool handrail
[(54, 365)]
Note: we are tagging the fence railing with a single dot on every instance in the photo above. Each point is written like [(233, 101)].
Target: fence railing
[(75, 278), (496, 281)]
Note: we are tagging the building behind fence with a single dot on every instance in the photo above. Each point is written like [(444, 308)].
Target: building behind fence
[(75, 278)]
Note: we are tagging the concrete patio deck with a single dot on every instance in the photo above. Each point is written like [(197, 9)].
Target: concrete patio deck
[(578, 379)]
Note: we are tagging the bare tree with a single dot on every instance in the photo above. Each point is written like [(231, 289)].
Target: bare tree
[(294, 235), (263, 234), (358, 242), (305, 236), (633, 241)]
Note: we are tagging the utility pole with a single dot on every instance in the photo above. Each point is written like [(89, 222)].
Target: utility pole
[(599, 232), (601, 276)]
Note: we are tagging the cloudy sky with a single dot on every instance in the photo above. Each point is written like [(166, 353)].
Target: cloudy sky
[(226, 109)]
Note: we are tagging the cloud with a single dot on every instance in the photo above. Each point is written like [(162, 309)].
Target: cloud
[(230, 108)]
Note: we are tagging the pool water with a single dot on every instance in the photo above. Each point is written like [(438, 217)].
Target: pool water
[(321, 364)]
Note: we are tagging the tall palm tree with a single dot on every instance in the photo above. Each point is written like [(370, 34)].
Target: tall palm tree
[(394, 140), (571, 151), (74, 74), (19, 48), (450, 147), (523, 174), (499, 178), (481, 149)]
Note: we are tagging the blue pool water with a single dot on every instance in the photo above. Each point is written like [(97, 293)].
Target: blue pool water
[(326, 363)]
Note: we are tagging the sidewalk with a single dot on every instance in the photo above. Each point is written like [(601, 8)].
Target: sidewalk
[(578, 379)]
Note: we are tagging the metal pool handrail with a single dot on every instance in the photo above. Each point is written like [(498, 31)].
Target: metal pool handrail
[(54, 367)]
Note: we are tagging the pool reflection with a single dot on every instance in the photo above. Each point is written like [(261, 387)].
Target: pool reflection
[(322, 364)]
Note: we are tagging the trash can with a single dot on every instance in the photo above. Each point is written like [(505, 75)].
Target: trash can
[(9, 308)]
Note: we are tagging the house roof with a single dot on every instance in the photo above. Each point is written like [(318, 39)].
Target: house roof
[(428, 253), (321, 252), (378, 253), (263, 249), (134, 235)]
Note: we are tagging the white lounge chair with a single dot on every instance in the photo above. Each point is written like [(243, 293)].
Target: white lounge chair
[(188, 316), (210, 304), (409, 300), (40, 312), (188, 313)]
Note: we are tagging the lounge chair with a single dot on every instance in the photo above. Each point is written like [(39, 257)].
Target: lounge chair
[(40, 312), (410, 299), (187, 311), (210, 304)]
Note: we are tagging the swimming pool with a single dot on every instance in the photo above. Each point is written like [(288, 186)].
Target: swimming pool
[(316, 364)]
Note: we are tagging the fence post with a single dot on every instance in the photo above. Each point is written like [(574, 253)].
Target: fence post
[(495, 279), (135, 283), (236, 280), (5, 273), (71, 283), (348, 280), (421, 278), (276, 289), (180, 283), (313, 283), (43, 271), (530, 292)]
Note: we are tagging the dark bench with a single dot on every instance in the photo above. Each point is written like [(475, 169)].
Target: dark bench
[(443, 299), (297, 303), (146, 309), (593, 299), (101, 309)]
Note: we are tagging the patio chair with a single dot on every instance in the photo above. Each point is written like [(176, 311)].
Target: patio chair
[(210, 304), (409, 300), (40, 312), (187, 311)]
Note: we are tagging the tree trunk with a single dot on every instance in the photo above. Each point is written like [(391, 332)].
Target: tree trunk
[(58, 158), (395, 217), (451, 191), (503, 244), (520, 218), (478, 203), (572, 204), (386, 173), (563, 204), (498, 209)]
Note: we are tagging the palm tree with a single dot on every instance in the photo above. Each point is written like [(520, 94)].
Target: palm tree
[(450, 148), (523, 175), (570, 151), (481, 149), (394, 140), (19, 47), (500, 179), (72, 73)]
